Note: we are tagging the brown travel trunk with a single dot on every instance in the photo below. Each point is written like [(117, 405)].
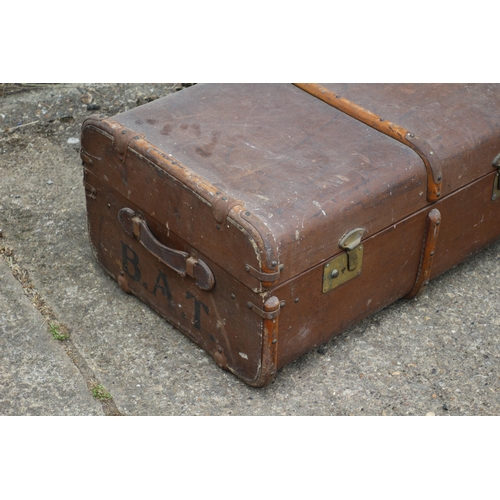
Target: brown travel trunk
[(263, 219)]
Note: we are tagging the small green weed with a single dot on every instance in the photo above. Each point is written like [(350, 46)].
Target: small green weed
[(54, 329), (99, 392)]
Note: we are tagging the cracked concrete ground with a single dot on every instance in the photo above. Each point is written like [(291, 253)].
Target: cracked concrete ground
[(436, 355)]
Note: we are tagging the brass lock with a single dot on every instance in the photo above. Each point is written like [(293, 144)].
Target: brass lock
[(496, 161), (347, 265), (496, 187), (496, 184)]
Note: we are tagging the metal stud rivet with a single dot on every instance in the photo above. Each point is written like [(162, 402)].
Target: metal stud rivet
[(334, 273), (296, 300)]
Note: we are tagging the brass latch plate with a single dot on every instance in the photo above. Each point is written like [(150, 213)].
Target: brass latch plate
[(496, 187), (336, 271)]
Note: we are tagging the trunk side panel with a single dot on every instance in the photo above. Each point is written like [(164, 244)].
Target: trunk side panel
[(216, 318), (469, 223), (311, 317)]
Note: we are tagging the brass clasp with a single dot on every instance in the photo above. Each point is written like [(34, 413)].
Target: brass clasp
[(346, 265), (496, 183)]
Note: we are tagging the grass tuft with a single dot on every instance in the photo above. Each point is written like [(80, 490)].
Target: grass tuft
[(55, 330), (99, 392)]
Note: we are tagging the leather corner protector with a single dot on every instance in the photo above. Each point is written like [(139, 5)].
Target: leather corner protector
[(222, 205)]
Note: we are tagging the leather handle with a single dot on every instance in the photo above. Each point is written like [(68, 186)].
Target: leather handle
[(181, 262)]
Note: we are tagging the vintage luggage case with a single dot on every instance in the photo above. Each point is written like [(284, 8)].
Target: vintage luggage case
[(263, 219)]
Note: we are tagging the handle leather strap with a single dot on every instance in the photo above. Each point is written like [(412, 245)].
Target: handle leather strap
[(181, 262)]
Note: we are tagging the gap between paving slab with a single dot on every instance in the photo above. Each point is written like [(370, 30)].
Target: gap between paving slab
[(37, 378)]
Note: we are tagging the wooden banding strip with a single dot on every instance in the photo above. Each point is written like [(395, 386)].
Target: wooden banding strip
[(420, 146), (427, 256)]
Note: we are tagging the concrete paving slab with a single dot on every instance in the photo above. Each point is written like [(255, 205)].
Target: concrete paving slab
[(436, 355), (36, 375)]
